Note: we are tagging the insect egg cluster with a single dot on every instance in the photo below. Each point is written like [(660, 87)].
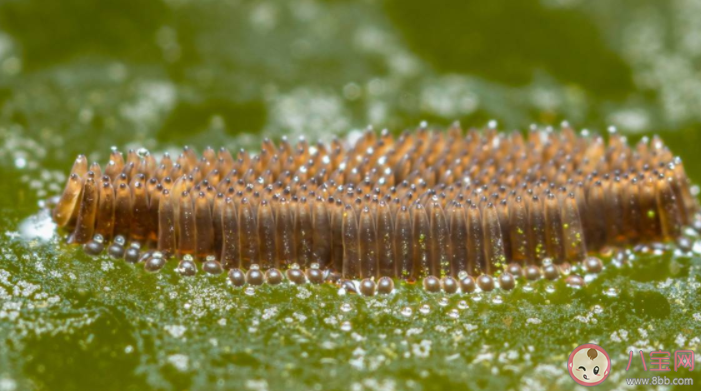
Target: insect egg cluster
[(466, 209)]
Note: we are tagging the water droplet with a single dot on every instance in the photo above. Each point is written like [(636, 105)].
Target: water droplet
[(250, 291), (425, 309), (346, 307), (142, 152), (463, 305), (462, 275), (407, 311), (454, 314), (550, 289), (346, 326), (695, 190), (255, 266), (658, 248), (497, 299), (443, 302), (314, 266), (590, 277)]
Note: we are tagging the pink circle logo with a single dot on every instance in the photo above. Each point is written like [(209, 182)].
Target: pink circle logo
[(589, 364)]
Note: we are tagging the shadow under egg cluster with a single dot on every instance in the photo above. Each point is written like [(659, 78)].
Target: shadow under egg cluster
[(451, 208)]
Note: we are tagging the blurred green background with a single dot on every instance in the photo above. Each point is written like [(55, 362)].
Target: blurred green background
[(79, 76)]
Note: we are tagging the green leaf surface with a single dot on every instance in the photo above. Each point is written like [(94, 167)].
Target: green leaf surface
[(80, 76)]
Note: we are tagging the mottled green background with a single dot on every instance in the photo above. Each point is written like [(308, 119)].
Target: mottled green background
[(78, 76)]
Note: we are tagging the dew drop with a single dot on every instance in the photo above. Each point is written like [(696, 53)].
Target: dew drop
[(407, 311), (443, 302), (497, 300), (346, 307), (250, 291), (454, 314), (425, 309), (346, 326), (142, 152), (463, 305)]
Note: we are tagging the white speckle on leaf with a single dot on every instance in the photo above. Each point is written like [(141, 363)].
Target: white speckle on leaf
[(422, 349), (533, 321), (257, 384), (176, 331), (414, 331), (181, 362), (7, 384)]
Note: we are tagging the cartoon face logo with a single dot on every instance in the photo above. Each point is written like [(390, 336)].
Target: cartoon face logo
[(589, 364)]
